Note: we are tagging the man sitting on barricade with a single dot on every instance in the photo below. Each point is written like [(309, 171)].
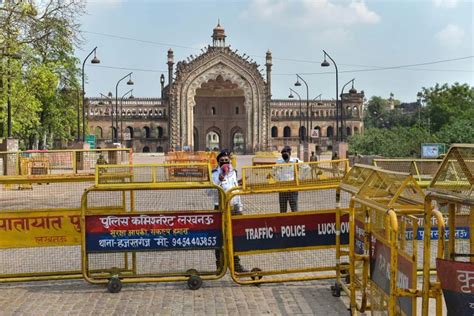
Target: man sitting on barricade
[(226, 177)]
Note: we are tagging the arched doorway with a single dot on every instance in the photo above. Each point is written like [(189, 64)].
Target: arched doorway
[(238, 142), (215, 109), (212, 141), (329, 132), (196, 139)]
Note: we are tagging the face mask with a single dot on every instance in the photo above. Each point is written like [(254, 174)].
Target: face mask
[(285, 156), (223, 163)]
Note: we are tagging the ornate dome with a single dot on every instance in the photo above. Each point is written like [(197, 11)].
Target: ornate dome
[(218, 35)]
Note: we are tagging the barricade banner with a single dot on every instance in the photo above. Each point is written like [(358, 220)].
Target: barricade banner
[(290, 230), (380, 270), (359, 237), (457, 282), (153, 232), (460, 233), (40, 229)]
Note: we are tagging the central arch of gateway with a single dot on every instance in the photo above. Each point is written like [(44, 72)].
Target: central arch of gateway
[(219, 100)]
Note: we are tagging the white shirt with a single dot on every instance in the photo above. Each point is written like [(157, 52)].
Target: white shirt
[(229, 182), (286, 173)]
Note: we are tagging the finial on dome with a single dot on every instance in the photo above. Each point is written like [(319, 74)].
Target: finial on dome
[(218, 35)]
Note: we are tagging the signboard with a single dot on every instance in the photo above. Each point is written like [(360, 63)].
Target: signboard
[(359, 237), (460, 233), (40, 229), (380, 255), (90, 139), (282, 231), (153, 232), (127, 136), (457, 283), (315, 133), (432, 150)]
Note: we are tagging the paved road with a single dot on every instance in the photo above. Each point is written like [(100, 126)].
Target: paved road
[(221, 297)]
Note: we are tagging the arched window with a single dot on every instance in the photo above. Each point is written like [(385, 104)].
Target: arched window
[(146, 132), (287, 131), (330, 132), (146, 149), (236, 110), (113, 132), (98, 132), (213, 111), (159, 149), (274, 131), (129, 130), (160, 131), (238, 142), (348, 131), (302, 132)]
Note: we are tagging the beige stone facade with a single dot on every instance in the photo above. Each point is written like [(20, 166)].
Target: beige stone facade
[(218, 100)]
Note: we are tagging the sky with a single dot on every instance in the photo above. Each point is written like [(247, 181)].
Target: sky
[(396, 46)]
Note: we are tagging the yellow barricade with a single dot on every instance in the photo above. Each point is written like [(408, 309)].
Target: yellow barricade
[(40, 228), (152, 173), (422, 170), (152, 231), (452, 190), (60, 162), (288, 229), (385, 212)]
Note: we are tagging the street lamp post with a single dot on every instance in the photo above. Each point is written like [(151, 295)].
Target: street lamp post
[(311, 122), (130, 83), (121, 112), (94, 60), (305, 144), (78, 123), (299, 97), (325, 63), (343, 136)]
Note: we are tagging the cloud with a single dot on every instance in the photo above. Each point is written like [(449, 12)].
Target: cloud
[(450, 4), (451, 36), (305, 13)]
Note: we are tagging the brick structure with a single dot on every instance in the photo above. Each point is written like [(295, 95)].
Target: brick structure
[(219, 99)]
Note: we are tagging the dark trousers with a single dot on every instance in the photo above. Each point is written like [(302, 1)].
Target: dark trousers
[(220, 252), (291, 197)]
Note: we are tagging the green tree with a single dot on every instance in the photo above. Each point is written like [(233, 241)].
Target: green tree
[(395, 142), (446, 104), (44, 33), (459, 131)]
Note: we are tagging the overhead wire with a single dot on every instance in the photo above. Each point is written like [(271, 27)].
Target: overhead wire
[(370, 68)]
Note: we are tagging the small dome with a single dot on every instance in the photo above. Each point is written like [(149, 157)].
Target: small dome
[(352, 90), (218, 32)]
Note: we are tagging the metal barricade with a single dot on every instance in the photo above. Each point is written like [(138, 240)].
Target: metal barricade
[(422, 170), (385, 212), (272, 241), (40, 228), (152, 230), (152, 173), (452, 189), (62, 162)]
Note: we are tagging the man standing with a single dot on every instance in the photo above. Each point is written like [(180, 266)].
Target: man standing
[(287, 173), (225, 177), (314, 167)]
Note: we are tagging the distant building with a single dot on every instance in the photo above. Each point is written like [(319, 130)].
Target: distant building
[(218, 100)]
